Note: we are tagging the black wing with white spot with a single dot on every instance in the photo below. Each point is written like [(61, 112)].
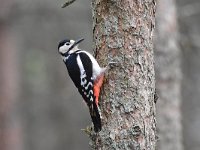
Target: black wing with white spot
[(87, 91), (81, 74)]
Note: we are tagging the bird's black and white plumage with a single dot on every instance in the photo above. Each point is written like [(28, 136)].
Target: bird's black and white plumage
[(86, 74)]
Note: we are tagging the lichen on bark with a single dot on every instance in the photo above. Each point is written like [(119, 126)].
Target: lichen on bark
[(123, 33)]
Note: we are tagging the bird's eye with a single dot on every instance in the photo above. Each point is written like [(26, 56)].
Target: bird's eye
[(67, 43)]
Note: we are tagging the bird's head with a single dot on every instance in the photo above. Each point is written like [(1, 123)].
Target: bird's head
[(66, 47)]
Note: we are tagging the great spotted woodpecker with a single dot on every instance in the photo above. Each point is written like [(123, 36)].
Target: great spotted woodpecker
[(86, 74)]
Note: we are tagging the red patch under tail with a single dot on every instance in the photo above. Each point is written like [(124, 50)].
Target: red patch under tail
[(97, 86)]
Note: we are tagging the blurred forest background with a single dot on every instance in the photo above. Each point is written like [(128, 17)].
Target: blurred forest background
[(40, 109)]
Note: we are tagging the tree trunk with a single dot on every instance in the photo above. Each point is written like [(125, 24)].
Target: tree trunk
[(10, 130), (189, 17), (168, 75), (123, 33)]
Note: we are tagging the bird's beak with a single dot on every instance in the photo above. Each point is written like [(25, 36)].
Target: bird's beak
[(77, 42)]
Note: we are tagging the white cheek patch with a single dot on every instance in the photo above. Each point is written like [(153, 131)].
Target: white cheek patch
[(63, 49)]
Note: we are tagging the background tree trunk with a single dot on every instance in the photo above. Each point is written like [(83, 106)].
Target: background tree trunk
[(10, 130), (189, 17), (168, 75), (123, 32)]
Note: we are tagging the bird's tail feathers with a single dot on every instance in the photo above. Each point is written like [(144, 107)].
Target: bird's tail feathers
[(96, 118)]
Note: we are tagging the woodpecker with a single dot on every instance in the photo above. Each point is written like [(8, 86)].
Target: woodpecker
[(86, 74)]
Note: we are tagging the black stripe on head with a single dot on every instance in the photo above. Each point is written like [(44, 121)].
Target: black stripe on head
[(61, 43)]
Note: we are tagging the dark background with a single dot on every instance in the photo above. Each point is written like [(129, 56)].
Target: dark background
[(40, 107)]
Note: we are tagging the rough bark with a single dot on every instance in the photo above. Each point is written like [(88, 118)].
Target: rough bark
[(168, 75), (123, 32)]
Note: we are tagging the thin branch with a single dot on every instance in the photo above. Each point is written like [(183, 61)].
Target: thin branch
[(67, 3)]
